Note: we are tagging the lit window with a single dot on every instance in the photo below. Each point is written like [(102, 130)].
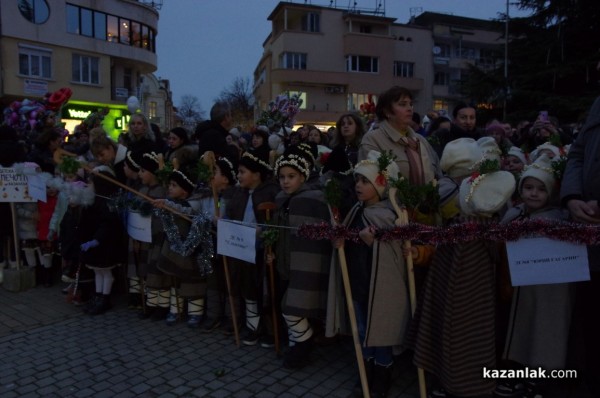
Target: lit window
[(153, 106), (35, 62), (85, 69)]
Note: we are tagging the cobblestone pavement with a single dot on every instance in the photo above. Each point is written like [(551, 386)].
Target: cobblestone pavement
[(49, 348)]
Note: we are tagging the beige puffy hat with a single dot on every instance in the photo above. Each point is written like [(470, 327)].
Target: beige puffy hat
[(552, 150), (459, 155), (486, 194), (490, 148), (379, 178), (541, 170)]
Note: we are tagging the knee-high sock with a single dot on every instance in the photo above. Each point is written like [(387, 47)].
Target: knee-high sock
[(152, 298), (252, 315), (176, 303), (196, 307), (163, 298), (134, 284), (46, 260), (104, 280), (30, 256), (299, 329)]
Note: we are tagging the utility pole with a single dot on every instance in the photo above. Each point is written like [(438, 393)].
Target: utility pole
[(506, 88)]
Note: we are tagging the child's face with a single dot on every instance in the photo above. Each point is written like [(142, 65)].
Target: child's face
[(290, 179), (106, 156), (513, 164), (257, 140), (314, 136), (534, 194), (365, 191), (219, 180), (348, 129), (132, 175), (248, 179), (147, 177), (176, 192)]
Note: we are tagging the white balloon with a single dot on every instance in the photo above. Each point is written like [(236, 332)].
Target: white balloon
[(133, 104)]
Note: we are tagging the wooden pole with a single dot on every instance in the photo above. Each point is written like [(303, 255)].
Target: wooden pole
[(267, 207), (402, 219), (362, 371), (209, 159), (13, 212)]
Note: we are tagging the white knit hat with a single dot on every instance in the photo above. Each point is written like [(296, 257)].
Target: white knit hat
[(541, 170), (486, 194), (518, 153), (379, 178), (490, 148), (545, 147)]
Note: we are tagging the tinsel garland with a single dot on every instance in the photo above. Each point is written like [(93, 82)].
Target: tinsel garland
[(459, 233), (198, 236)]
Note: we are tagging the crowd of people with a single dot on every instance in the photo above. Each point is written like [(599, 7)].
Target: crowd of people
[(467, 315)]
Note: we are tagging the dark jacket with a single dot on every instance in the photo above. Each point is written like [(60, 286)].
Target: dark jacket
[(211, 137), (441, 137)]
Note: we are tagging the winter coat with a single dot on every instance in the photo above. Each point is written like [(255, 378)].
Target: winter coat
[(581, 179), (212, 137), (99, 223)]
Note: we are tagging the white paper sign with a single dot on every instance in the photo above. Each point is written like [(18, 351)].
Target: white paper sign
[(13, 186), (540, 261), (139, 227), (36, 184), (236, 240)]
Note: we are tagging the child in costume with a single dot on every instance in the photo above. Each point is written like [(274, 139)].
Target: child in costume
[(145, 255), (189, 277), (377, 271), (453, 329), (540, 316), (303, 264), (255, 187)]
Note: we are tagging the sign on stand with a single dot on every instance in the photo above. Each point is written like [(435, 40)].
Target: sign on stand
[(14, 186), (236, 240)]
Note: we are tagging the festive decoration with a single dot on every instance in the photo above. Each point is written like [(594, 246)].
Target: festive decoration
[(199, 236), (93, 120), (367, 111), (270, 236), (558, 167), (333, 197), (69, 165), (54, 101), (424, 198), (281, 112), (481, 169), (587, 234), (133, 104)]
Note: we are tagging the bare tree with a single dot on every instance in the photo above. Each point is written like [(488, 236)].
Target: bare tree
[(190, 111), (240, 99)]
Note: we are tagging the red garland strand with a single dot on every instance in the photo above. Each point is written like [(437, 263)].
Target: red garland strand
[(587, 234)]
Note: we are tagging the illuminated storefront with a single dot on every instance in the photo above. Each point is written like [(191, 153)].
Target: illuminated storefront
[(114, 123)]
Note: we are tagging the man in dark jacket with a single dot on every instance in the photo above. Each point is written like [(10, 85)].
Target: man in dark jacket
[(212, 133), (463, 125), (580, 192)]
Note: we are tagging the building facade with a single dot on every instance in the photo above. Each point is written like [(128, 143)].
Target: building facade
[(104, 51), (338, 58)]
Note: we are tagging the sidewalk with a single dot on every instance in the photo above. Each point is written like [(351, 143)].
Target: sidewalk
[(51, 349)]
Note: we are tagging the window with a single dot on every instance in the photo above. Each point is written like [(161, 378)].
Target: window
[(112, 28), (35, 62), (87, 27), (36, 11), (404, 69), (311, 22), (85, 69), (301, 95), (153, 106), (72, 19), (440, 105), (442, 50), (441, 79), (466, 53), (366, 29), (355, 100), (100, 25), (128, 79), (124, 28), (136, 34), (292, 61), (360, 63)]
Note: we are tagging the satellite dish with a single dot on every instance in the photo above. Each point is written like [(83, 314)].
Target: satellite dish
[(436, 50)]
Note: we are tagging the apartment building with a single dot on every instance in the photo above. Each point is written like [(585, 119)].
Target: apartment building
[(104, 51), (337, 57)]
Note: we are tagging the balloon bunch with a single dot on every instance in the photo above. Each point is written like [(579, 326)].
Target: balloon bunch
[(27, 115)]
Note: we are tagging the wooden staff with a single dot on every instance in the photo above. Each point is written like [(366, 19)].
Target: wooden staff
[(362, 371), (267, 207), (402, 219), (208, 158), (60, 153), (13, 213)]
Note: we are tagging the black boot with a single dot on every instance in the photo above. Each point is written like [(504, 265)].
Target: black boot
[(357, 390), (382, 378), (93, 302), (102, 305), (298, 355)]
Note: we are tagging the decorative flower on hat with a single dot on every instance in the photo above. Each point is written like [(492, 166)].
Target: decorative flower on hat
[(384, 160), (480, 170)]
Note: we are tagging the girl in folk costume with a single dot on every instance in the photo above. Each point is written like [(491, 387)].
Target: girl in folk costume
[(540, 316), (189, 276), (255, 187), (303, 264), (145, 255), (131, 168), (101, 234), (203, 201), (453, 329), (377, 271), (111, 154)]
